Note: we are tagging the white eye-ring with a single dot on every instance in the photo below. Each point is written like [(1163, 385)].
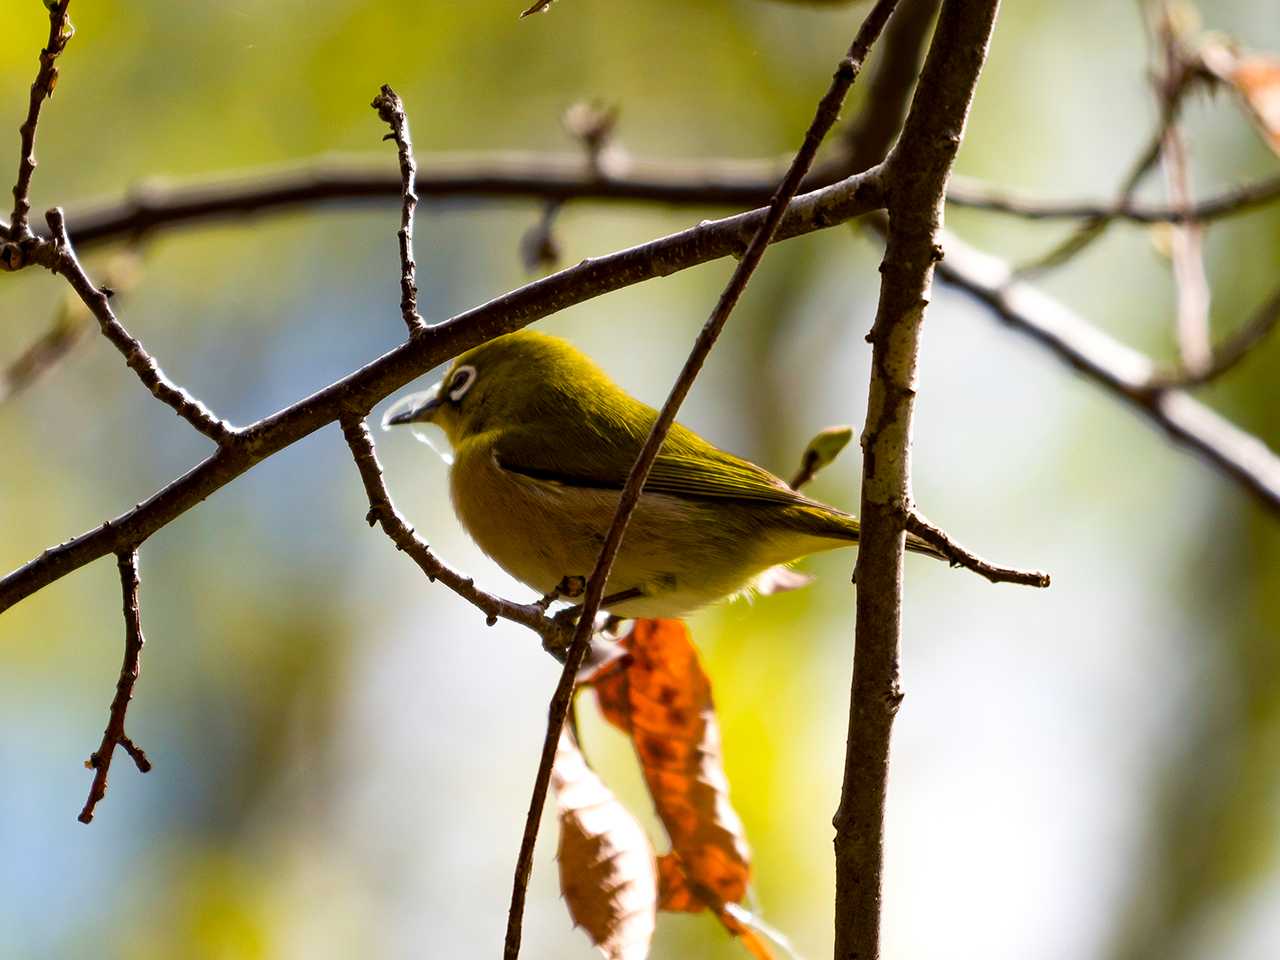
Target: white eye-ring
[(461, 382)]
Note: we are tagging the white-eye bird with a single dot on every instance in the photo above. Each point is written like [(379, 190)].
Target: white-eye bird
[(543, 441)]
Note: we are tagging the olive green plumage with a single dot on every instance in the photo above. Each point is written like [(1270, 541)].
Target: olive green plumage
[(543, 443)]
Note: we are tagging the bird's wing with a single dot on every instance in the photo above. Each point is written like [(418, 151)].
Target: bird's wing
[(686, 467)]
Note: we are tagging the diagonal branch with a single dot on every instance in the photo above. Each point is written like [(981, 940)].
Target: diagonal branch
[(382, 510), (60, 32), (361, 389), (391, 110), (828, 111), (958, 556), (1226, 355), (59, 257), (114, 735), (1117, 368)]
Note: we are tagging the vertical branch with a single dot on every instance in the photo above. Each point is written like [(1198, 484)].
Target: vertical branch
[(60, 32), (114, 735), (917, 171), (828, 111), (391, 110), (1186, 244)]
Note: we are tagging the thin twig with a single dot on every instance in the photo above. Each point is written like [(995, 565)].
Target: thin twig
[(363, 388), (60, 32), (43, 354), (1227, 354), (1231, 202), (1191, 327), (69, 328), (60, 258), (1187, 255), (114, 735), (382, 510), (1089, 231), (391, 110), (825, 116), (958, 556)]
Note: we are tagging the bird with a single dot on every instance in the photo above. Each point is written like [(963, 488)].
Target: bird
[(543, 441)]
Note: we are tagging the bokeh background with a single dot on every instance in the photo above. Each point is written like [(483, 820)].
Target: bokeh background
[(343, 752)]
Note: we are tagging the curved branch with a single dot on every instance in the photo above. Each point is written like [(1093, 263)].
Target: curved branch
[(155, 205), (362, 389)]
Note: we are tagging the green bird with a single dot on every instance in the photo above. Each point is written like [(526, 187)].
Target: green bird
[(543, 441)]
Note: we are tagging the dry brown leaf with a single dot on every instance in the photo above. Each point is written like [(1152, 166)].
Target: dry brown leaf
[(663, 700), (607, 873), (1256, 78)]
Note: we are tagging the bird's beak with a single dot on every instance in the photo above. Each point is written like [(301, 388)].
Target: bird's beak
[(417, 407)]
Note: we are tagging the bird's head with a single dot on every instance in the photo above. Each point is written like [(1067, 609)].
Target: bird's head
[(508, 381)]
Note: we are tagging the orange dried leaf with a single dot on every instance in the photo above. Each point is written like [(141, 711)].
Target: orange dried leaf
[(663, 700), (1256, 78), (607, 874)]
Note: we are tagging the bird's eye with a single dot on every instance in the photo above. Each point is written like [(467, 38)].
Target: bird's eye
[(461, 382)]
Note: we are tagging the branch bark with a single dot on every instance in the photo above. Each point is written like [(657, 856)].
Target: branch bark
[(60, 32), (156, 206), (916, 176), (115, 735), (391, 110)]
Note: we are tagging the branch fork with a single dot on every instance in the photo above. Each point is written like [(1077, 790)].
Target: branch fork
[(114, 735)]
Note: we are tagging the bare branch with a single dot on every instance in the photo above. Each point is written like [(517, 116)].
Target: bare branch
[(1226, 355), (383, 511), (1232, 202), (1173, 89), (60, 32), (59, 257), (916, 175), (391, 110), (828, 111), (360, 390), (114, 735), (1191, 327), (43, 354), (958, 556), (1117, 368), (157, 206)]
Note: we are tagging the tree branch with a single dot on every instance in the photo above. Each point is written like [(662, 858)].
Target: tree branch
[(60, 32), (114, 735), (382, 510), (156, 206), (958, 556), (391, 110), (363, 388), (1227, 354), (916, 177), (964, 192), (59, 257), (828, 111), (1116, 367)]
